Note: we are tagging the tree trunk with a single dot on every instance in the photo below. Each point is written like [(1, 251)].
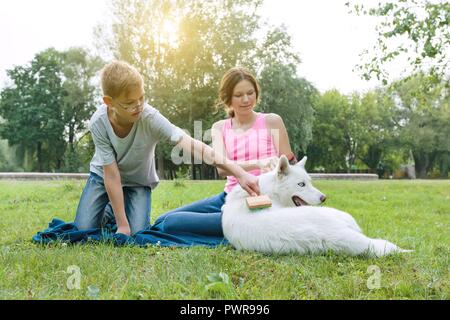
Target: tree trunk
[(71, 137), (205, 175), (39, 156), (444, 164), (28, 159), (422, 173), (160, 169), (421, 163), (192, 168), (202, 172), (373, 157)]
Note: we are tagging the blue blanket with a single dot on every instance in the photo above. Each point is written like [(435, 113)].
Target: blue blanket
[(58, 230)]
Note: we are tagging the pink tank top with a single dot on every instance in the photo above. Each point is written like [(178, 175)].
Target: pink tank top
[(252, 144)]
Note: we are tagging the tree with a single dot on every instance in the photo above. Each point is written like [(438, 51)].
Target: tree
[(47, 106), (282, 91), (423, 27), (328, 150), (79, 98), (377, 137), (183, 48), (423, 119), (4, 163), (292, 98), (31, 109), (276, 49)]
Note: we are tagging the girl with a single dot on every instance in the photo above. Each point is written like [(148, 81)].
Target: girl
[(250, 139)]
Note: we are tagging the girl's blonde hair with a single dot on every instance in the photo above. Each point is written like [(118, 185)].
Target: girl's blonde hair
[(119, 77), (229, 80)]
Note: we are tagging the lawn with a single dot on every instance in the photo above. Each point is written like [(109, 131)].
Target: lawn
[(413, 214)]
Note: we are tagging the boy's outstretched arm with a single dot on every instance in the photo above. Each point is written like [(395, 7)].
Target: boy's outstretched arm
[(113, 185), (205, 153)]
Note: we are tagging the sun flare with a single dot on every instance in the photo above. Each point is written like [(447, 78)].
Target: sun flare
[(169, 32)]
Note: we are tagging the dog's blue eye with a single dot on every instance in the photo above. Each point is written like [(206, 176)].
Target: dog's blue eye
[(302, 184)]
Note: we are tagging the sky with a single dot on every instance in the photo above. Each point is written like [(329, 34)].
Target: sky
[(328, 38)]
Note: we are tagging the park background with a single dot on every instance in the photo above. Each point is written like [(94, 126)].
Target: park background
[(360, 88)]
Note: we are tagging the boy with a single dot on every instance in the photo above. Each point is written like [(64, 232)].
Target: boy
[(125, 132)]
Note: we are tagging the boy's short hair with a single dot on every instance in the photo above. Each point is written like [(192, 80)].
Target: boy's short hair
[(118, 77)]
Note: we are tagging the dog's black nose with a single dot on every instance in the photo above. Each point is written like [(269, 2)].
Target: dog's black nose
[(323, 198)]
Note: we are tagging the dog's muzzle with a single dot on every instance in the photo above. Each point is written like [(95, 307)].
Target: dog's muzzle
[(298, 201)]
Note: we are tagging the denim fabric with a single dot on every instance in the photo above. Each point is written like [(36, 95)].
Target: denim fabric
[(200, 220), (60, 231), (95, 211), (197, 224)]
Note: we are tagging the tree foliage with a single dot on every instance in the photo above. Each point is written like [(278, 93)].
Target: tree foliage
[(31, 109), (79, 99), (423, 28), (378, 135), (328, 149), (47, 105), (292, 98), (423, 120), (184, 47)]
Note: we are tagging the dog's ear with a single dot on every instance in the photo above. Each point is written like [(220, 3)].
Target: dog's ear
[(302, 162), (283, 166)]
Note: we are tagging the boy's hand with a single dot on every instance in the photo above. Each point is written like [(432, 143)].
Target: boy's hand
[(268, 164), (124, 229), (249, 183)]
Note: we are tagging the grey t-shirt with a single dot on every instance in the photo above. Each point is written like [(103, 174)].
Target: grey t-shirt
[(134, 154)]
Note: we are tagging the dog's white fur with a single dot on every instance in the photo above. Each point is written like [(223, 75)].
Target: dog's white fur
[(285, 228)]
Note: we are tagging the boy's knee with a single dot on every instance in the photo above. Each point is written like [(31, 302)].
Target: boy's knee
[(137, 226), (84, 225)]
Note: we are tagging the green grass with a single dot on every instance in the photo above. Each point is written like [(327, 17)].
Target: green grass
[(413, 214)]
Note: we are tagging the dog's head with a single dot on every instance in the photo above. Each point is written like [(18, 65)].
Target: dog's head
[(294, 187)]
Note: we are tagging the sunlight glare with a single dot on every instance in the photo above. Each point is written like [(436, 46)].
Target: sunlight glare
[(170, 32)]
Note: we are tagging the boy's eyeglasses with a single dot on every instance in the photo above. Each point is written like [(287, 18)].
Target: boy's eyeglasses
[(131, 107)]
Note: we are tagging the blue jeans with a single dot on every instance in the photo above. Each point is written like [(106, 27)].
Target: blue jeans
[(201, 219), (94, 209)]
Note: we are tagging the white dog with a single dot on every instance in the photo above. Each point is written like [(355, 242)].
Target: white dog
[(292, 224)]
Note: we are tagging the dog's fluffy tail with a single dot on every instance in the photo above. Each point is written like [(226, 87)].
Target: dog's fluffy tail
[(380, 248)]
